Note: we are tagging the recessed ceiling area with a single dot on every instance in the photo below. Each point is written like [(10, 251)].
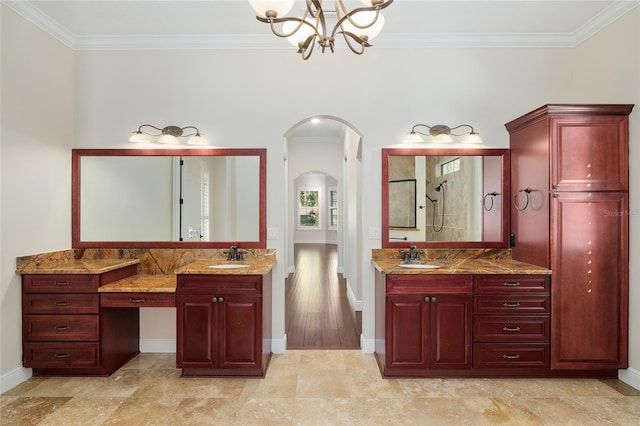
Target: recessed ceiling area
[(231, 24)]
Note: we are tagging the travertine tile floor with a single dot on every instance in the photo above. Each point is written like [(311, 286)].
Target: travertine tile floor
[(313, 387)]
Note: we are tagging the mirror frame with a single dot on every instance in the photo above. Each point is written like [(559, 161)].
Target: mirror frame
[(502, 152), (77, 154)]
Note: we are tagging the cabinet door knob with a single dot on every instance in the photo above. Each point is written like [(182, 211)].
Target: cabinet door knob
[(427, 299), (433, 299), (214, 300), (221, 299)]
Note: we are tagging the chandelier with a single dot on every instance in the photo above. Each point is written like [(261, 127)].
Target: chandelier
[(168, 135), (357, 26), (441, 133)]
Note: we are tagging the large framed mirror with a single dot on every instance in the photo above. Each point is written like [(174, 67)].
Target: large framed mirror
[(168, 198), (460, 199)]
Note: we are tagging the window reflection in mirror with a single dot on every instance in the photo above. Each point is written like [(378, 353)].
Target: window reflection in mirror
[(169, 198), (458, 200)]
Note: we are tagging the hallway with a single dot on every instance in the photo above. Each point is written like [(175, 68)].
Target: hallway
[(318, 314)]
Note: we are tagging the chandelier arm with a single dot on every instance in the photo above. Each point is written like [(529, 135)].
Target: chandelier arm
[(351, 39), (306, 49), (314, 8), (300, 21)]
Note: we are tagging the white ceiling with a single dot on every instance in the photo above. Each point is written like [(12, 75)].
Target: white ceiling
[(231, 24)]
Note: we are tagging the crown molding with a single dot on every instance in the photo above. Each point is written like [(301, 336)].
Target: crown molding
[(383, 41)]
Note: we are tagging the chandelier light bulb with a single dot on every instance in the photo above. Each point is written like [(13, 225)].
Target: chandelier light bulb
[(365, 19), (280, 7), (304, 32)]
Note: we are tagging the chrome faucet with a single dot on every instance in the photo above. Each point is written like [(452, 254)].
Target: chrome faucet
[(234, 254), (412, 255)]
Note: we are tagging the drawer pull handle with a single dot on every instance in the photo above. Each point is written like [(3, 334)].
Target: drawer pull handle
[(64, 355), (63, 327), (62, 283), (511, 305), (507, 284), (505, 356), (511, 330), (141, 300), (63, 303)]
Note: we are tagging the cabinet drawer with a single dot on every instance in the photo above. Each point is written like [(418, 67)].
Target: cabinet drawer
[(137, 300), (57, 355), (61, 327), (59, 303), (510, 355), (510, 328), (512, 284), (55, 283), (429, 284), (227, 284), (516, 304)]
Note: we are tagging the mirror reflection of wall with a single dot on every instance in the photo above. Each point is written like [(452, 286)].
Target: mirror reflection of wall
[(137, 198)]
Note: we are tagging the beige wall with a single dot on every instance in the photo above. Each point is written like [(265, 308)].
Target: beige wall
[(218, 91), (36, 140)]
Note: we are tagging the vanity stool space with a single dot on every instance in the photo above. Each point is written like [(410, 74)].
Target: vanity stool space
[(67, 332)]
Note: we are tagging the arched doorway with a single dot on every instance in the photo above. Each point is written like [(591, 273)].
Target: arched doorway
[(323, 168)]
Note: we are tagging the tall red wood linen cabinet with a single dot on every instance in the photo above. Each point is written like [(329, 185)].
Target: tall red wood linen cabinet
[(570, 213)]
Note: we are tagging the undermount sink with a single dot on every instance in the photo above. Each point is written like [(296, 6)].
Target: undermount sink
[(228, 266), (418, 266)]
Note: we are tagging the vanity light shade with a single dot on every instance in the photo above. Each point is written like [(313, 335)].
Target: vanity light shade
[(471, 138), (196, 139), (442, 138), (281, 7), (138, 137), (412, 137), (168, 139)]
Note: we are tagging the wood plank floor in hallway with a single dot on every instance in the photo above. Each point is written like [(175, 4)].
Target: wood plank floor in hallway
[(318, 314)]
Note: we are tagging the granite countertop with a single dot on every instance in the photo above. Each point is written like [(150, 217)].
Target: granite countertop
[(261, 265), (461, 266), (142, 284), (85, 266)]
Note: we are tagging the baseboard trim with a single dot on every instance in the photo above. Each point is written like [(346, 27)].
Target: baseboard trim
[(355, 304), (630, 376), (368, 346), (279, 346), (13, 378), (158, 345)]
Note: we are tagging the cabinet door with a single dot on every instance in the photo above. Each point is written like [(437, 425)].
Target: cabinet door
[(240, 319), (450, 331), (197, 332), (590, 153), (589, 297), (406, 334)]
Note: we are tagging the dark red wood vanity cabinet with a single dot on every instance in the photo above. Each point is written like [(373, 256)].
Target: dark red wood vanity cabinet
[(220, 325), (66, 332), (426, 324), (570, 213)]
